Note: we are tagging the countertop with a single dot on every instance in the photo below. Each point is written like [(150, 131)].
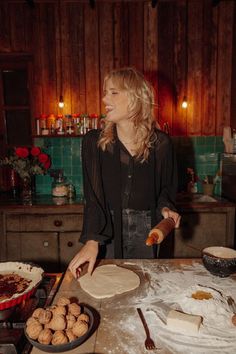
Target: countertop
[(7, 201), (118, 329), (183, 200)]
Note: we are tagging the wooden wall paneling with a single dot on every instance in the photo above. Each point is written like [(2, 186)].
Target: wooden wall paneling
[(195, 11), (58, 59), (233, 77), (48, 55), (29, 23), (2, 133), (94, 40), (77, 57), (209, 71), (150, 48), (106, 43), (66, 55), (224, 65), (5, 43), (121, 38), (36, 45), (92, 59), (136, 39), (166, 85), (180, 66), (81, 58), (16, 12), (31, 98)]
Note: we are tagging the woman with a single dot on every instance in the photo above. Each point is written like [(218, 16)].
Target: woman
[(129, 174)]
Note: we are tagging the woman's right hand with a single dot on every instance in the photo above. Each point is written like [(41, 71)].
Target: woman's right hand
[(88, 253)]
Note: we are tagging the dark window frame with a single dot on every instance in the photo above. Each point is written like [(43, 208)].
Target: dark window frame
[(9, 62)]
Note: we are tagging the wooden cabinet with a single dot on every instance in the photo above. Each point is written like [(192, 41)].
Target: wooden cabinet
[(47, 236), (41, 248), (202, 227)]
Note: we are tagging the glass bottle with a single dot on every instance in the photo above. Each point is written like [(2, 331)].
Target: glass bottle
[(59, 125)]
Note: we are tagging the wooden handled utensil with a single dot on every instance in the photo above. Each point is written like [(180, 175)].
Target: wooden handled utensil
[(160, 231), (149, 343)]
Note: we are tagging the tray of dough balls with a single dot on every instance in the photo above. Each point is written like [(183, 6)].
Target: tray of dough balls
[(61, 327)]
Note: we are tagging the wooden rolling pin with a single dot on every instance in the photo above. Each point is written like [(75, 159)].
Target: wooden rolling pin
[(160, 231)]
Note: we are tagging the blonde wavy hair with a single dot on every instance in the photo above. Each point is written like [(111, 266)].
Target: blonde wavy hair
[(141, 106)]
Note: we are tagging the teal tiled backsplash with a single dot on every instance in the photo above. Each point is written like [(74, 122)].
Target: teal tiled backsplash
[(66, 155), (202, 153)]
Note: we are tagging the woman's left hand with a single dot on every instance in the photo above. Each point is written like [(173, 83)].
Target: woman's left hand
[(168, 213)]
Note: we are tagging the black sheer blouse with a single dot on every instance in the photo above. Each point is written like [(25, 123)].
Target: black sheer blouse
[(114, 180), (134, 184)]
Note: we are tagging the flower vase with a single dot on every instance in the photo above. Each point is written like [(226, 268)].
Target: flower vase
[(208, 188), (26, 192)]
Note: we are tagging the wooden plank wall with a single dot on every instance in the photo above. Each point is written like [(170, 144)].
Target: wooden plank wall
[(183, 47)]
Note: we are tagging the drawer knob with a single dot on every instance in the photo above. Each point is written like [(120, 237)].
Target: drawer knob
[(57, 223), (70, 244), (45, 243)]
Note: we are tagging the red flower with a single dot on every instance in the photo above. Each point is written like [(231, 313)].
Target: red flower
[(43, 158), (47, 164), (22, 152), (35, 151)]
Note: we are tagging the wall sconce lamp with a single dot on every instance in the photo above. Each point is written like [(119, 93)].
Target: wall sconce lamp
[(184, 103), (61, 102)]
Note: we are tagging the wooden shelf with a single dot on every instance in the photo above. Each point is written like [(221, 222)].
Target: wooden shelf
[(58, 136)]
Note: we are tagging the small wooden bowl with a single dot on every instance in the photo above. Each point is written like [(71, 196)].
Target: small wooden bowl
[(219, 261)]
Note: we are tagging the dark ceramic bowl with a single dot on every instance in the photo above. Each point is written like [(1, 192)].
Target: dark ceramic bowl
[(219, 261), (68, 346)]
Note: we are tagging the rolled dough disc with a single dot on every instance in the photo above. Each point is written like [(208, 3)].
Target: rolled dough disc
[(109, 280)]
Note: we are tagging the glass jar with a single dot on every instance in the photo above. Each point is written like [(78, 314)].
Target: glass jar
[(59, 187), (93, 121), (42, 122), (51, 120)]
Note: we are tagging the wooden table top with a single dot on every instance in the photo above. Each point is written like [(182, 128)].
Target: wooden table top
[(114, 315)]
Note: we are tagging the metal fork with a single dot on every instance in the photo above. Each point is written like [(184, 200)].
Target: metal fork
[(149, 343)]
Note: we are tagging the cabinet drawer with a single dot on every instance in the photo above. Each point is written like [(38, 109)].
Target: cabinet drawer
[(69, 245), (200, 230), (43, 222), (33, 247)]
